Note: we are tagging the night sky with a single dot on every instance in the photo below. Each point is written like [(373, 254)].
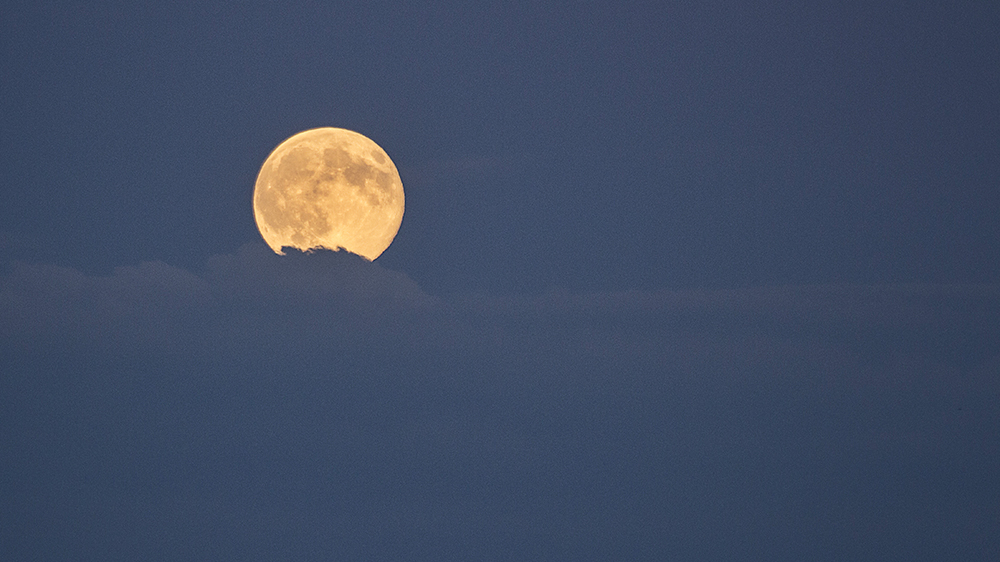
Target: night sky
[(675, 281)]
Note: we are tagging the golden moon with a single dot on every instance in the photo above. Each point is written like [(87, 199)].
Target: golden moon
[(329, 188)]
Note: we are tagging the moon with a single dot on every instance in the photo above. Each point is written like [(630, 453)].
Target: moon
[(329, 188)]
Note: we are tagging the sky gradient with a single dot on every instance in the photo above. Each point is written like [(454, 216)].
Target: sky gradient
[(706, 281)]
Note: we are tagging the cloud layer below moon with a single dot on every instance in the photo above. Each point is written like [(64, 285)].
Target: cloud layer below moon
[(310, 405)]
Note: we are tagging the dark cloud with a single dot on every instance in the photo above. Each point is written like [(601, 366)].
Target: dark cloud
[(317, 406)]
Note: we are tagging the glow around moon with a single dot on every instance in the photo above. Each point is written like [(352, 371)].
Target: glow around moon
[(329, 188)]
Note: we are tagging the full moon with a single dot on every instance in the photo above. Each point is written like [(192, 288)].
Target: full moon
[(329, 188)]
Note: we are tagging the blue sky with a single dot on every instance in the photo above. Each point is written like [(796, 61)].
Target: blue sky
[(585, 146), (686, 281)]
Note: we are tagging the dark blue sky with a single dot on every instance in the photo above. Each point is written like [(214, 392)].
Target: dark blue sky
[(695, 281), (586, 146)]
